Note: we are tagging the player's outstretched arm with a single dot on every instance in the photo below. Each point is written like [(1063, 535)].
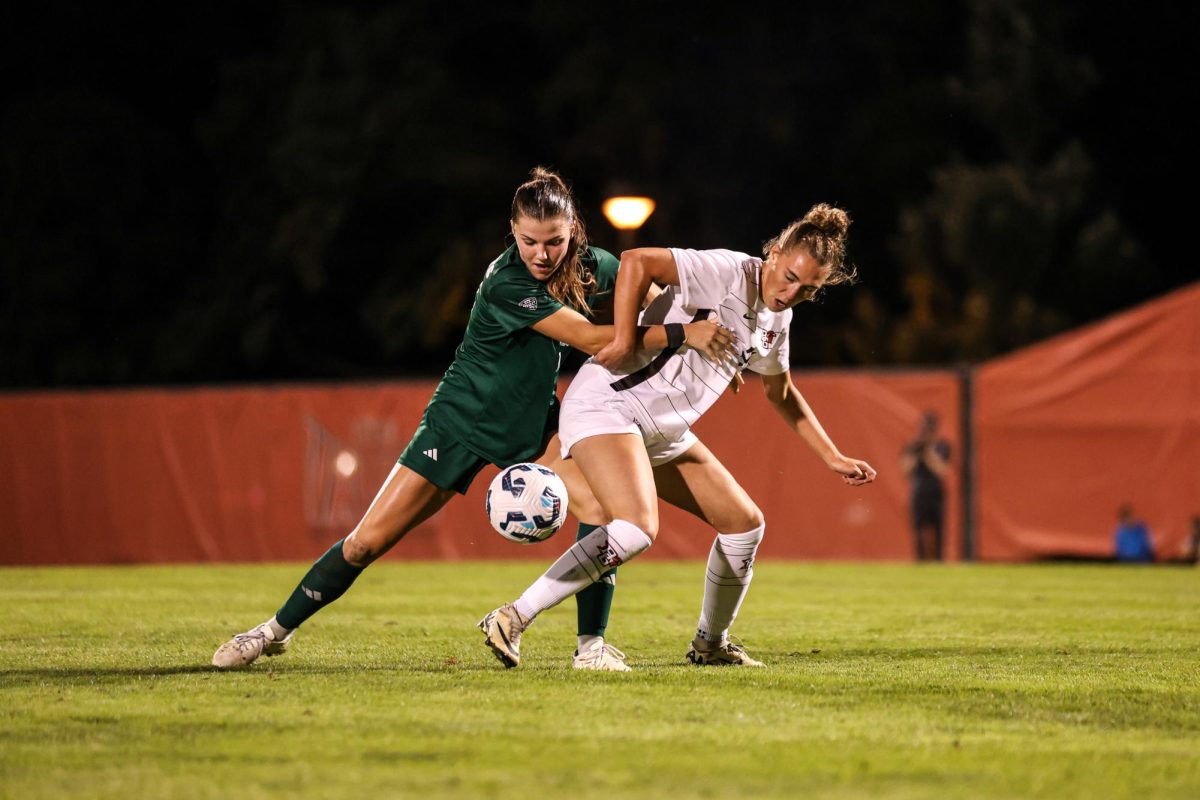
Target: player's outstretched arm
[(568, 325), (795, 411)]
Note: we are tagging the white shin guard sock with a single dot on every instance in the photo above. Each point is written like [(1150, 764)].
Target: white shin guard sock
[(730, 570), (582, 565)]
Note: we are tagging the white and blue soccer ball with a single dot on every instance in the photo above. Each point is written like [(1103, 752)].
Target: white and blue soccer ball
[(527, 503)]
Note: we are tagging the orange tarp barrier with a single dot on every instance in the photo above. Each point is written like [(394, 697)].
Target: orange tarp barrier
[(279, 473), (810, 513), (1069, 429)]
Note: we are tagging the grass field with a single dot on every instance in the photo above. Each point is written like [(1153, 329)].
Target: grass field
[(882, 681)]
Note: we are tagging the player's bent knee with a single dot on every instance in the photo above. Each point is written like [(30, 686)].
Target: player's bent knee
[(361, 548), (756, 520), (747, 520), (646, 519), (648, 526), (356, 552)]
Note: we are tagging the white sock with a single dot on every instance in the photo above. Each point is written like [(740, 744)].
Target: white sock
[(587, 641), (277, 629), (730, 569), (582, 565)]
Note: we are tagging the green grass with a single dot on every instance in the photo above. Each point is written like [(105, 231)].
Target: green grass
[(882, 681)]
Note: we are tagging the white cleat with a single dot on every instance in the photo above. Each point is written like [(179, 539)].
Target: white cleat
[(502, 631), (720, 654), (601, 656), (245, 648)]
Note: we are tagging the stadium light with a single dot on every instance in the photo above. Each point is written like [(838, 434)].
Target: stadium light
[(627, 213)]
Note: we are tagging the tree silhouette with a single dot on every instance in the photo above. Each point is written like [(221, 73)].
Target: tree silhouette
[(1011, 237)]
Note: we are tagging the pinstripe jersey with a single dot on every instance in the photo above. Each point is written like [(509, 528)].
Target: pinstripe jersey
[(667, 391)]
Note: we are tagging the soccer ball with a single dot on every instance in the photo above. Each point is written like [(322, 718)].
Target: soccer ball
[(527, 503)]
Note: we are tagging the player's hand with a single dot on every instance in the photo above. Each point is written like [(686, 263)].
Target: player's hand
[(853, 471), (616, 355), (737, 383), (711, 338)]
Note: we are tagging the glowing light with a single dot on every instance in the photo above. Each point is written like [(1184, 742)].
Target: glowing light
[(345, 463), (628, 213)]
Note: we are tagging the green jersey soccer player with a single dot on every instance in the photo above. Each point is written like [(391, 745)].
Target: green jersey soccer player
[(496, 404)]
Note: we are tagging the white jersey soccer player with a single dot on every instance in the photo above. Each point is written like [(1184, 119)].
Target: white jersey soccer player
[(627, 417), (665, 393)]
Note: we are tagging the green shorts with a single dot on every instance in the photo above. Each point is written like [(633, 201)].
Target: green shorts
[(441, 460), (446, 463)]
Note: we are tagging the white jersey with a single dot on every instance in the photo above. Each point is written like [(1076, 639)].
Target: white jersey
[(667, 391)]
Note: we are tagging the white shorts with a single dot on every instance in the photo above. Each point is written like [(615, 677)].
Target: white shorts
[(591, 408)]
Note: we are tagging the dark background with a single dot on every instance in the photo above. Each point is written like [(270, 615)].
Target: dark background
[(280, 191)]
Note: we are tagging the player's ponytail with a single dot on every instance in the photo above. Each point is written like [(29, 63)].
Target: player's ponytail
[(823, 232), (546, 196)]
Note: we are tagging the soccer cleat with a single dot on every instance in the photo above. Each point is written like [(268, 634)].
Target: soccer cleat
[(724, 653), (245, 648), (601, 656), (502, 631)]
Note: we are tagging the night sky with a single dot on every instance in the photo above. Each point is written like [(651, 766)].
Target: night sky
[(311, 191)]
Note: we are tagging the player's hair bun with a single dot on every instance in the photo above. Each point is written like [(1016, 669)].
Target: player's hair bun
[(823, 231), (827, 220)]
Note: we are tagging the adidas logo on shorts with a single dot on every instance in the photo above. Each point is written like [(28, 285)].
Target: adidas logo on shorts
[(529, 302), (431, 453)]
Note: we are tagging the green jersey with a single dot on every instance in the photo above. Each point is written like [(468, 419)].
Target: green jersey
[(498, 392)]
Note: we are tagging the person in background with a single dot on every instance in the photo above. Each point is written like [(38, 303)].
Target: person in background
[(1131, 541), (925, 461)]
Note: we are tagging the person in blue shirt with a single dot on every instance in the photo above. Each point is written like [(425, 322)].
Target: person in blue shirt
[(1131, 542)]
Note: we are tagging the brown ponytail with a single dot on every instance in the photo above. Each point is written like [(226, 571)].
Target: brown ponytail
[(546, 196)]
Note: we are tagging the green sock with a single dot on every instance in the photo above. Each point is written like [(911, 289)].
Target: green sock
[(326, 581), (593, 603)]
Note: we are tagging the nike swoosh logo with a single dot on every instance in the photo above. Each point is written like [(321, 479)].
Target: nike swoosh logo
[(750, 316)]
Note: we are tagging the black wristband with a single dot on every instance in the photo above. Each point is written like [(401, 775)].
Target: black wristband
[(675, 335)]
